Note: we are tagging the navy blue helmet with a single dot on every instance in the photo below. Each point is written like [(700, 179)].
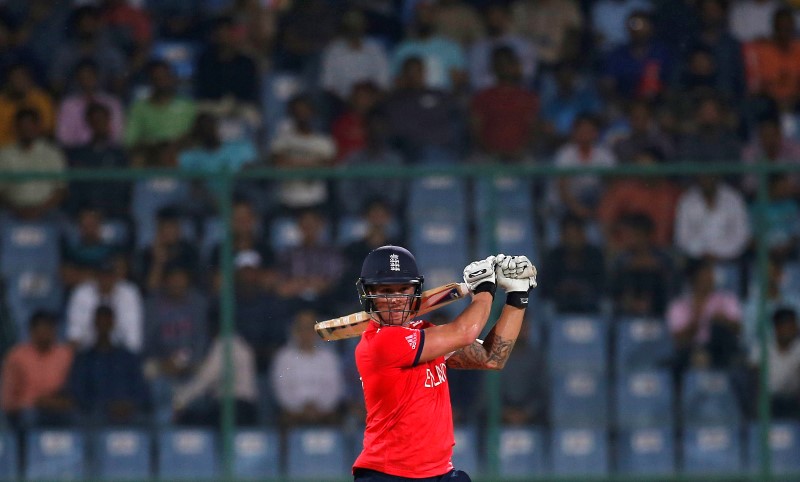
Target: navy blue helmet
[(389, 265)]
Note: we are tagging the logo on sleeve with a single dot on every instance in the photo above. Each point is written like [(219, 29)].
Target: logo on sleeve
[(412, 340)]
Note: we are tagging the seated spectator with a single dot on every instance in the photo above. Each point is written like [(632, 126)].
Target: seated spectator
[(300, 145), (307, 377), (163, 116), (783, 352), (710, 136), (106, 381), (34, 375), (780, 228), (31, 152), (100, 151), (106, 287), (353, 193), (575, 270), (19, 93), (435, 113), (169, 246), (642, 275), (353, 59), (199, 401), (655, 197), (247, 234), (306, 28), (88, 38), (349, 129), (704, 322), (73, 124), (642, 133), (131, 29), (481, 52), (610, 27), (696, 79), (504, 115), (459, 21), (312, 270), (88, 248), (554, 27), (13, 52), (711, 220), (771, 146)]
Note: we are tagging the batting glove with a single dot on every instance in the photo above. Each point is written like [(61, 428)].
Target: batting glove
[(517, 276), (480, 276)]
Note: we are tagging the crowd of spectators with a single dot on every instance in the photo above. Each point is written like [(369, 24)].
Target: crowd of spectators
[(233, 85)]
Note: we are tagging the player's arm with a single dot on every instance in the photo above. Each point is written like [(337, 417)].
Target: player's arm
[(493, 353), (465, 328)]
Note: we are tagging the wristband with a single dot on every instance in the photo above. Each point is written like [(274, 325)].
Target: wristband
[(485, 287), (517, 299)]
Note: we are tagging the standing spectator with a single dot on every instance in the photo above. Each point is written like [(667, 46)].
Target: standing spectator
[(482, 70), (751, 19), (783, 353), (353, 193), (163, 115), (435, 113), (444, 59), (106, 380), (31, 152), (576, 270), (642, 275), (34, 375), (710, 138), (349, 129), (168, 247), (504, 115), (643, 134), (72, 123), (704, 322), (106, 288), (307, 377), (353, 59), (99, 152), (554, 27), (711, 220), (88, 39), (656, 197), (223, 71), (300, 145), (19, 93), (610, 21)]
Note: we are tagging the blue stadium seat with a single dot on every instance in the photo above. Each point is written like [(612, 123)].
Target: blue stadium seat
[(437, 198), (515, 230), (578, 342), (465, 451), (9, 462), (256, 454), (644, 399), (351, 228), (579, 399), (55, 455), (187, 454), (113, 231), (646, 451), (179, 54), (712, 449), (641, 343), (784, 446), (148, 197), (522, 452), (511, 194), (316, 452), (122, 454), (579, 452), (28, 246), (708, 399)]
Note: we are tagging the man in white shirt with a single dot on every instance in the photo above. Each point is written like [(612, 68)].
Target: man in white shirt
[(106, 288)]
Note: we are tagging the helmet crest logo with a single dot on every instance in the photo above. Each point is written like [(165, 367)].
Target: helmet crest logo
[(394, 262)]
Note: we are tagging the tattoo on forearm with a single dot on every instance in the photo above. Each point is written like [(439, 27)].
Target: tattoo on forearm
[(493, 353)]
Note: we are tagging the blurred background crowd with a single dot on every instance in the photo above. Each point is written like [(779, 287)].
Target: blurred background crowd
[(111, 288)]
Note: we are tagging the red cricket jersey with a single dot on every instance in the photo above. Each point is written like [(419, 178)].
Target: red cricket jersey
[(409, 430)]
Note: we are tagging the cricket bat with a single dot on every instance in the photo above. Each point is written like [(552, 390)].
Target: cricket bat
[(354, 324)]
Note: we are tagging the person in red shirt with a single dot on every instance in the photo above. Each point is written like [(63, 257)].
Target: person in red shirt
[(403, 362)]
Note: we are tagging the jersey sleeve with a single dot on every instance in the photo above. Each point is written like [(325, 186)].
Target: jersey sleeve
[(399, 347)]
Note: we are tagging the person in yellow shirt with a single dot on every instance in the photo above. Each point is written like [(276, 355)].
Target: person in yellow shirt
[(21, 92)]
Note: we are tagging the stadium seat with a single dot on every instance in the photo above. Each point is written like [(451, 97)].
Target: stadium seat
[(256, 454), (187, 454), (784, 446), (708, 399), (579, 399), (644, 399), (316, 452), (579, 452), (277, 88), (711, 449), (522, 452), (646, 451), (351, 228), (641, 343), (9, 462), (122, 454), (148, 197), (578, 342), (113, 231), (28, 246), (437, 198), (465, 451), (55, 455), (179, 54)]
